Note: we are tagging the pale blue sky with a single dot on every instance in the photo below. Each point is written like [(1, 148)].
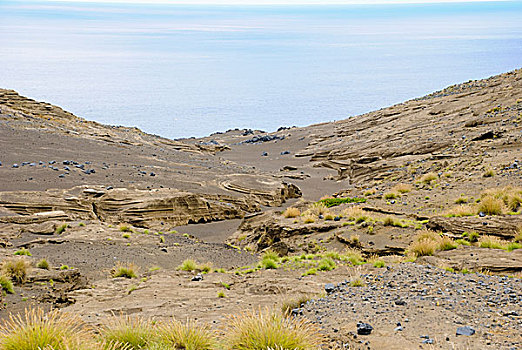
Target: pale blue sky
[(271, 2)]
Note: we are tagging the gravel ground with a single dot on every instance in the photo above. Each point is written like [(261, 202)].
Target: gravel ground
[(412, 306)]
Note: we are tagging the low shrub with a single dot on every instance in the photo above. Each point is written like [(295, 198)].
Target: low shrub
[(390, 195), (60, 229), (188, 265), (461, 210), (446, 243), (402, 188)]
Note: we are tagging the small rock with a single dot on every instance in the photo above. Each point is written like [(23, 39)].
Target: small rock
[(364, 328), (163, 249), (197, 278), (427, 341), (15, 165), (152, 174), (337, 218), (400, 302), (466, 330), (329, 288), (481, 214), (264, 154), (285, 152)]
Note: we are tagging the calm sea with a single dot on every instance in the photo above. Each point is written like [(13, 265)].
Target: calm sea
[(181, 71)]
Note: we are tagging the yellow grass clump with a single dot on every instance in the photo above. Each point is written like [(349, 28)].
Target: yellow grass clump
[(461, 210), (267, 329), (38, 330), (491, 205), (188, 336), (402, 188), (428, 178), (511, 196), (15, 269), (291, 212)]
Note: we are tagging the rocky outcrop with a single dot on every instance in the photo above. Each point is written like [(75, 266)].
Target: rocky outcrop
[(142, 208), (444, 125), (505, 227), (477, 259)]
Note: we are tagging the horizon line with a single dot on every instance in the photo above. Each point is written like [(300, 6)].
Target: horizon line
[(268, 2)]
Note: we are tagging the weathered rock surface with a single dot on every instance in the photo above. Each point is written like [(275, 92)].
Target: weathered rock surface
[(505, 227), (143, 208)]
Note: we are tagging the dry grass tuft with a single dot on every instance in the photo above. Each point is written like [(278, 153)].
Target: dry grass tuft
[(461, 210), (129, 270), (291, 212), (266, 329), (130, 332), (428, 178), (402, 188), (15, 269), (188, 336), (491, 205), (316, 209), (491, 242), (511, 196), (353, 213), (38, 330), (295, 302)]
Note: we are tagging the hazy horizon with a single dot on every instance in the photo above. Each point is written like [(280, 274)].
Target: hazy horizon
[(181, 71)]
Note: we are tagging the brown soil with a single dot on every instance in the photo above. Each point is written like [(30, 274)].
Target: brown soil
[(131, 197)]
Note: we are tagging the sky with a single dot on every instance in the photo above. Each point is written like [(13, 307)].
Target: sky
[(268, 2)]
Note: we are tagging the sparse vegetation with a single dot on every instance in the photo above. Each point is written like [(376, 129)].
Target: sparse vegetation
[(124, 270), (428, 178), (491, 242), (296, 302), (38, 330), (402, 188), (43, 264), (489, 172), (326, 264), (131, 333), (60, 229), (312, 271), (188, 265), (390, 195), (332, 202), (221, 294), (291, 212), (270, 330), (23, 251), (461, 210), (125, 228), (187, 336), (491, 205), (15, 269), (6, 284)]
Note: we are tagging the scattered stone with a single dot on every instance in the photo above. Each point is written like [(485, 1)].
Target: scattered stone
[(329, 288), (466, 330), (198, 277), (15, 165), (285, 152), (264, 154), (364, 328)]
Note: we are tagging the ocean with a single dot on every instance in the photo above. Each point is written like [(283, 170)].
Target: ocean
[(181, 71)]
